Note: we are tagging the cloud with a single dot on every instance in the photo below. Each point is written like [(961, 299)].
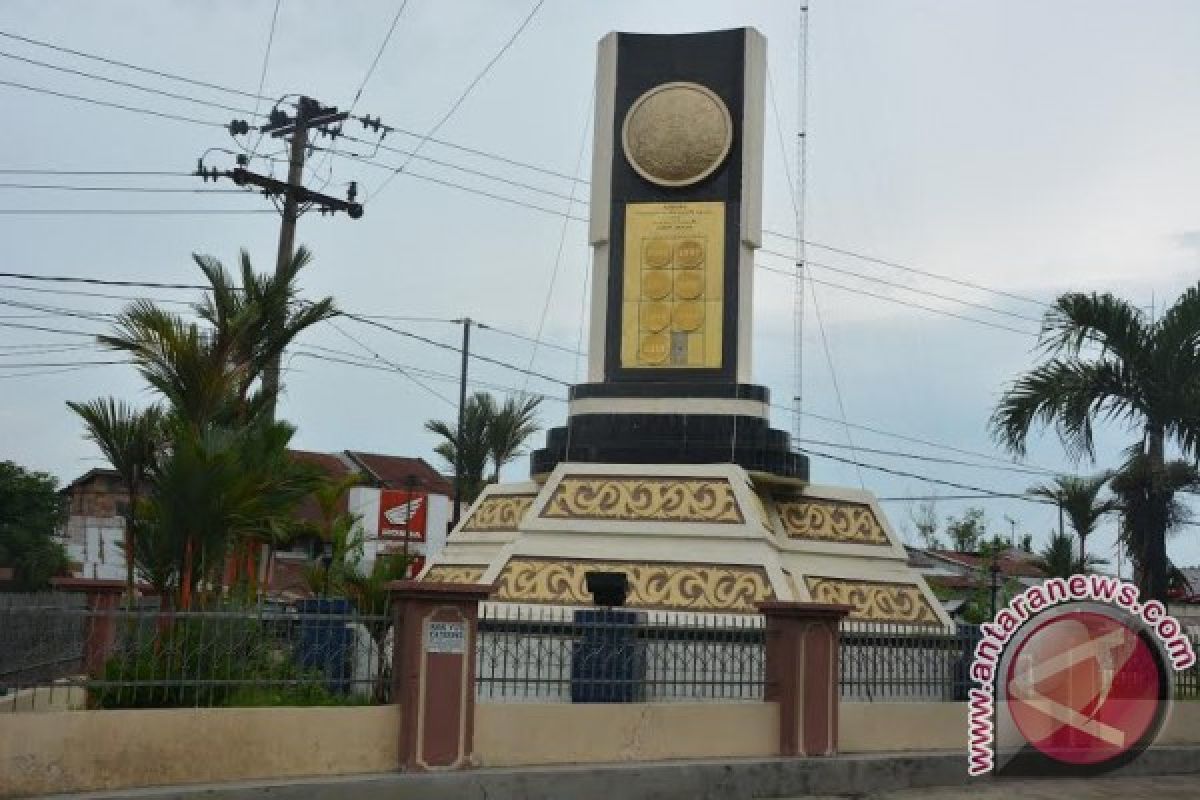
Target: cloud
[(1189, 239)]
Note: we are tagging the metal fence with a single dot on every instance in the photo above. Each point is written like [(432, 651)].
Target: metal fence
[(596, 655), (323, 653), (233, 656)]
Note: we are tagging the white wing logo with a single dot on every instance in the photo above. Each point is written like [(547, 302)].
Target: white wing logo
[(399, 515)]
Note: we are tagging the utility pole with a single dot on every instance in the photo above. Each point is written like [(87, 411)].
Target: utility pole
[(310, 115), (462, 407)]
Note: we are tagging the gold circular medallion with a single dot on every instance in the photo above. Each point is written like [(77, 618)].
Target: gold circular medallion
[(677, 134), (690, 253), (657, 254), (655, 316), (688, 316), (689, 285), (656, 285), (654, 348)]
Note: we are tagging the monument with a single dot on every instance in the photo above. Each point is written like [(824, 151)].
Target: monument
[(667, 468)]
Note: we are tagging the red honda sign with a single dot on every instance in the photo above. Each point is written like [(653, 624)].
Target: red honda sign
[(400, 511)]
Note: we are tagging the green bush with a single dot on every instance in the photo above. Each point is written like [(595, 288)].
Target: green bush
[(207, 662)]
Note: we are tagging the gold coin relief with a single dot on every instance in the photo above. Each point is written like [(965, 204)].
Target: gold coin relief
[(655, 316), (656, 285), (657, 254), (655, 348), (689, 285), (677, 134), (690, 253), (688, 316)]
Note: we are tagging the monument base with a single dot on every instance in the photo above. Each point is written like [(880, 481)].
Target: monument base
[(691, 538)]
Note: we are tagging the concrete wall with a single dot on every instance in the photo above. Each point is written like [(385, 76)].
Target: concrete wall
[(97, 750), (519, 734), (81, 751), (883, 727)]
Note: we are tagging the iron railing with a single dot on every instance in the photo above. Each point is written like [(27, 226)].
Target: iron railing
[(258, 655), (552, 654)]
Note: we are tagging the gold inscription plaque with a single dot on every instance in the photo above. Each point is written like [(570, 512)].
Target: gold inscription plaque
[(673, 296)]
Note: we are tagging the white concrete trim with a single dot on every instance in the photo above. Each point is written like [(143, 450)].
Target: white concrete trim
[(669, 405)]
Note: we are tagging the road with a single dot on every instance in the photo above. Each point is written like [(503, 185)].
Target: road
[(1178, 787)]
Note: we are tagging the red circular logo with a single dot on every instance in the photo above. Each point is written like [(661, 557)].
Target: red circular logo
[(1083, 688)]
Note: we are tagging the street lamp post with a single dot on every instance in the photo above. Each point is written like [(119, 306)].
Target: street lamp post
[(995, 575), (410, 483)]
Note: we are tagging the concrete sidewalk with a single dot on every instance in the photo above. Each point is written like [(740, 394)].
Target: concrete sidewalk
[(877, 776), (1176, 787)]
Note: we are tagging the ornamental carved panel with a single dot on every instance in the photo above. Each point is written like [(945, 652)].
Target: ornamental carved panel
[(453, 573), (830, 521), (677, 587), (499, 512), (875, 601), (635, 499)]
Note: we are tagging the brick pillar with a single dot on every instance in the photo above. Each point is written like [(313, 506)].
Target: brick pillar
[(802, 674), (100, 631), (433, 671)]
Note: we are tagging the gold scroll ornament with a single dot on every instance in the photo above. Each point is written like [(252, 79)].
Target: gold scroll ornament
[(640, 499), (499, 512), (691, 587), (875, 601), (830, 521), (673, 297), (453, 573)]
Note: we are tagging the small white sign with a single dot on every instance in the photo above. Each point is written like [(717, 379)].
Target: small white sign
[(445, 637)]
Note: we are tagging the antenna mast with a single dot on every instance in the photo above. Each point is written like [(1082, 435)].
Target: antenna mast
[(801, 192)]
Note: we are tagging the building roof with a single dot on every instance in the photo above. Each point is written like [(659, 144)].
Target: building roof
[(393, 472), (1012, 565)]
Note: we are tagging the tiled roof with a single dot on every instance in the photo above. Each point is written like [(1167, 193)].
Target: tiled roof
[(1010, 565), (392, 472)]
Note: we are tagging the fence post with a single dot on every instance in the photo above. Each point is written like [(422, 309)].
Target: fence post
[(802, 641), (102, 598), (433, 671)]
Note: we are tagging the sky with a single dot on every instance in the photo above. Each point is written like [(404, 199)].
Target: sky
[(1023, 146)]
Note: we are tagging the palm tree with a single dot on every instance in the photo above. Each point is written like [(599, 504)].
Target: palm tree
[(475, 449), (1058, 560), (1079, 499), (130, 440), (259, 318), (224, 481), (513, 423), (1104, 360), (1146, 499)]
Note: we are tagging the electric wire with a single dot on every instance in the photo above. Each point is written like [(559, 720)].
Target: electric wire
[(465, 93), (109, 104), (125, 84), (126, 65)]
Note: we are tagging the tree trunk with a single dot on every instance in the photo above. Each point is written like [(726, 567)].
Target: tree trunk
[(130, 591), (185, 579), (1155, 562)]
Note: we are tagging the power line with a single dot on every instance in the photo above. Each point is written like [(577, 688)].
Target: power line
[(97, 172), (908, 268), (929, 459), (127, 65), (452, 348), (133, 211), (108, 104), (378, 54), (926, 478), (904, 287), (25, 276), (393, 365), (466, 91), (123, 189), (126, 84), (898, 301), (27, 327)]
